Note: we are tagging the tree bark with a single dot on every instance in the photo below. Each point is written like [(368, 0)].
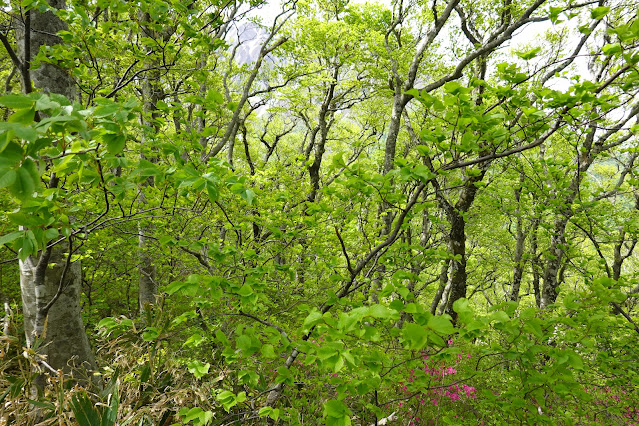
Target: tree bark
[(152, 93), (63, 338), (457, 247), (48, 77), (518, 270), (51, 286)]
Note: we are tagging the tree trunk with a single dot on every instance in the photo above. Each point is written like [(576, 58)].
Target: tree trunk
[(152, 94), (535, 264), (550, 288), (64, 340), (47, 77), (457, 276), (518, 270), (51, 296), (443, 280)]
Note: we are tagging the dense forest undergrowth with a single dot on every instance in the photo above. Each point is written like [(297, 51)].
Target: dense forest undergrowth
[(319, 212)]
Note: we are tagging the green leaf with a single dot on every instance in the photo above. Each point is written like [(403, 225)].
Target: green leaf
[(312, 319), (196, 415), (611, 49), (106, 110), (115, 142), (337, 413), (195, 340), (273, 413), (107, 323), (453, 87), (26, 132), (45, 102), (198, 369), (7, 177), (528, 54), (215, 96), (462, 307), (599, 12), (381, 311), (16, 101), (22, 116), (245, 290), (85, 411), (23, 187), (415, 336), (50, 234), (554, 14), (151, 333), (268, 351), (248, 195), (227, 399), (10, 237), (441, 325)]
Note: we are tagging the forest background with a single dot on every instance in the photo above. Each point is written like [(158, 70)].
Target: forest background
[(337, 213)]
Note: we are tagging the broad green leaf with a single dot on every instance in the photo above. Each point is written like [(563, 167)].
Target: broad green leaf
[(248, 195), (528, 54), (198, 368), (115, 142), (7, 177), (312, 319), (599, 12), (17, 101), (50, 234), (23, 116), (151, 333), (337, 413), (23, 186), (415, 336), (268, 351), (10, 237), (441, 325)]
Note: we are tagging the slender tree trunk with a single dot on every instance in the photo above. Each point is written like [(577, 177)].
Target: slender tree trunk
[(535, 264), (518, 270), (443, 280), (152, 94)]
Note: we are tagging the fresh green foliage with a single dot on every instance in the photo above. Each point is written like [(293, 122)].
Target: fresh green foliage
[(351, 214)]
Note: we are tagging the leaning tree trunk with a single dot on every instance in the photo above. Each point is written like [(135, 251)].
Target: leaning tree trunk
[(50, 285)]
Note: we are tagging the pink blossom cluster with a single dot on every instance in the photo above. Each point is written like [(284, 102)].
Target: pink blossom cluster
[(454, 392), (604, 397)]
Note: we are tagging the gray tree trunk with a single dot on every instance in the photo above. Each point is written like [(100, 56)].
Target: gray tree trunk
[(47, 77), (518, 270), (63, 338), (152, 93), (51, 286)]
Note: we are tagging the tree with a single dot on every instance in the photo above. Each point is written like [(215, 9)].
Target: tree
[(51, 281), (325, 213)]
